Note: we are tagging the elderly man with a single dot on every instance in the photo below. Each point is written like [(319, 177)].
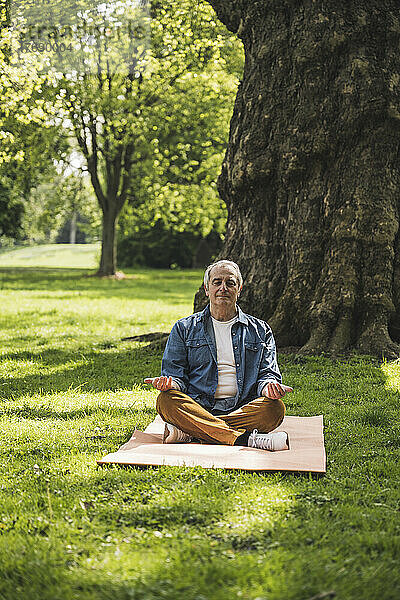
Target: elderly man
[(220, 380)]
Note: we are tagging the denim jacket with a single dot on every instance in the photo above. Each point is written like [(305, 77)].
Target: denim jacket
[(190, 358)]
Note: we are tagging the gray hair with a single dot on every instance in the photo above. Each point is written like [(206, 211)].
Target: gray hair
[(229, 263)]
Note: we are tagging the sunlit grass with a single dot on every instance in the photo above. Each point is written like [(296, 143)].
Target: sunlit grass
[(82, 256), (71, 391), (391, 371)]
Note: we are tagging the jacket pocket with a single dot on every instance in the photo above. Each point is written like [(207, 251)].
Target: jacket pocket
[(254, 353), (198, 352), (254, 347)]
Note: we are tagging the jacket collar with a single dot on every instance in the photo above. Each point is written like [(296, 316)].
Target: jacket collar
[(242, 318)]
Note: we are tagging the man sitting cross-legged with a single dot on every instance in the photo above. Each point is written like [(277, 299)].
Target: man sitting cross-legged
[(220, 380)]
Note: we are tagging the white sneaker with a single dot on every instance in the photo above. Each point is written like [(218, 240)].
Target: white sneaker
[(269, 441), (173, 435)]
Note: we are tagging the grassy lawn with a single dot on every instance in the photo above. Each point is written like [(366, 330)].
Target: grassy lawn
[(71, 391), (83, 256)]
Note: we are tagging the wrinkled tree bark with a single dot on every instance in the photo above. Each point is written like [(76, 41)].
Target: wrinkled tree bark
[(311, 173)]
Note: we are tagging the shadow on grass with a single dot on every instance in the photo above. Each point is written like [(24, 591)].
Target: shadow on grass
[(101, 370), (166, 497), (42, 412), (174, 534), (136, 526)]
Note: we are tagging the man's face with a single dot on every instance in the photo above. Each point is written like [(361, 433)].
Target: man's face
[(223, 286)]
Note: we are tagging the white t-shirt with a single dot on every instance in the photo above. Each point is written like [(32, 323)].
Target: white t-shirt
[(227, 384)]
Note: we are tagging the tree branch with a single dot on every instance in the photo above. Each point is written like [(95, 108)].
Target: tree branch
[(126, 175), (91, 160), (154, 97)]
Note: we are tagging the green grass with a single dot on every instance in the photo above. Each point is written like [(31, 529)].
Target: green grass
[(71, 392), (82, 256)]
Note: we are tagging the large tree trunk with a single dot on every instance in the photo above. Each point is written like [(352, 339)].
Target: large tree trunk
[(108, 260), (311, 173)]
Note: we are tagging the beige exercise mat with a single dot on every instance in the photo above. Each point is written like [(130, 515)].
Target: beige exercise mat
[(306, 452)]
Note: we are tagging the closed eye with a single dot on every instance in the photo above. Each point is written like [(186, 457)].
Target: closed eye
[(229, 283)]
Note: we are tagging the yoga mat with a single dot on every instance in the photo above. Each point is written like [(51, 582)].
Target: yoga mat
[(306, 451)]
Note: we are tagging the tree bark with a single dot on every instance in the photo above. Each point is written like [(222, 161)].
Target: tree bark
[(311, 173), (108, 259)]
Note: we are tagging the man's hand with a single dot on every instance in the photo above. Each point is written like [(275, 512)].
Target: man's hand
[(275, 390), (160, 383)]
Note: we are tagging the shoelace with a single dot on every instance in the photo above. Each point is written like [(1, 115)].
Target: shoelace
[(181, 435), (260, 441)]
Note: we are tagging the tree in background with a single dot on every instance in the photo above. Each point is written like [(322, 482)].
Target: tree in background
[(124, 121), (178, 203), (62, 202), (118, 114), (311, 174), (11, 210), (39, 145), (29, 138)]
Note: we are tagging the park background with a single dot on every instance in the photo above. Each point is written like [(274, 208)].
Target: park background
[(72, 384)]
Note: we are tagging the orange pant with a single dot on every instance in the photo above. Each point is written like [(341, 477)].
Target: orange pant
[(181, 410)]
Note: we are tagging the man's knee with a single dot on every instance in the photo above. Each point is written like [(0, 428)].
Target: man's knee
[(164, 399), (272, 414)]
